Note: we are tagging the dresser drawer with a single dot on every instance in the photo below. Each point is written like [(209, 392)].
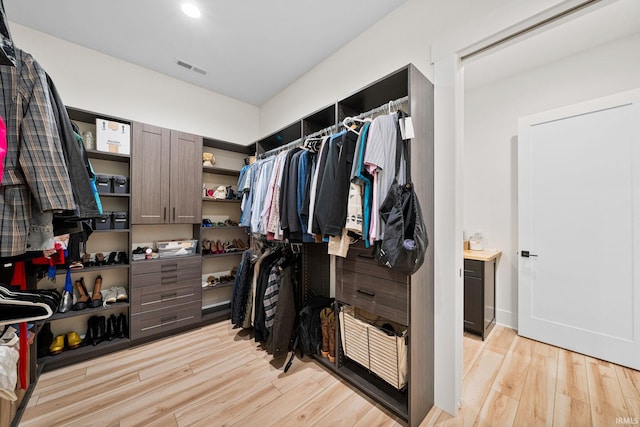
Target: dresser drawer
[(473, 268), (151, 298), (159, 321), (169, 278), (361, 260), (165, 265), (383, 297)]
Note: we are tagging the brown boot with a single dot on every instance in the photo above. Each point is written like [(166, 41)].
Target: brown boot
[(332, 336), (324, 318)]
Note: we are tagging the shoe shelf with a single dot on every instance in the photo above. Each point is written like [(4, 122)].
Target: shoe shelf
[(220, 171), (73, 313), (219, 309), (221, 285), (96, 268), (119, 230), (211, 199), (222, 255), (83, 353)]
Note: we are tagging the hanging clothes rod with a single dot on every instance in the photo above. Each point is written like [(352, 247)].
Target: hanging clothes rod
[(391, 104), (292, 144)]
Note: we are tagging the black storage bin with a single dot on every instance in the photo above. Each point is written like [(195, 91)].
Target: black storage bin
[(103, 222), (120, 184), (104, 183), (120, 220)]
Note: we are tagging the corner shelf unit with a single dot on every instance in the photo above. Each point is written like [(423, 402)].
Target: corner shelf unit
[(414, 402)]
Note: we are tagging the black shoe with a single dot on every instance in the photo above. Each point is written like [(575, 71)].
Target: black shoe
[(99, 330), (123, 326), (112, 328), (91, 330), (122, 258), (112, 258)]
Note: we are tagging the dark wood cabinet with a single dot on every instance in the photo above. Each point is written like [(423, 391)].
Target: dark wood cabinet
[(166, 187), (479, 296)]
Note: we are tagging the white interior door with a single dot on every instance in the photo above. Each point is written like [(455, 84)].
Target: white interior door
[(579, 219)]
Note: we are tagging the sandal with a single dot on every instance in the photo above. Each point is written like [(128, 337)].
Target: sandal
[(229, 247), (76, 265), (96, 298)]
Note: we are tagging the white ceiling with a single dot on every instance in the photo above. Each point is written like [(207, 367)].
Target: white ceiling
[(251, 49), (598, 26)]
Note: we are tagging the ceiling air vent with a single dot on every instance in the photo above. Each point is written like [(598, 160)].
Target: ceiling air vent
[(191, 67)]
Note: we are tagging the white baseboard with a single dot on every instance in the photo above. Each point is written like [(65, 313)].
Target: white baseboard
[(507, 318)]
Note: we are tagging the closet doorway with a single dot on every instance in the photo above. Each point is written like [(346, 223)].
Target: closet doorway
[(591, 55)]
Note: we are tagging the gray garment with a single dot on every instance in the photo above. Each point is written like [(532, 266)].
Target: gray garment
[(381, 153)]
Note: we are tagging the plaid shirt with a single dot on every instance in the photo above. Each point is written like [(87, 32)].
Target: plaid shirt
[(36, 179)]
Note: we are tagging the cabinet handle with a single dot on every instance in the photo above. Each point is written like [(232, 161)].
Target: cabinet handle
[(168, 267), (169, 279), (164, 217), (366, 292), (169, 297), (469, 271), (174, 213), (167, 320)]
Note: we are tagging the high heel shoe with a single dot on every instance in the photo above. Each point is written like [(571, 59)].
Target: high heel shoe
[(219, 247), (83, 300), (96, 298)]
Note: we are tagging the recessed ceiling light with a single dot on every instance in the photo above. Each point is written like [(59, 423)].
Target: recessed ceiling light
[(191, 10)]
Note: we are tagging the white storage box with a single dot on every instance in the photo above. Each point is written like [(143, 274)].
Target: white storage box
[(176, 248), (384, 355), (113, 137)]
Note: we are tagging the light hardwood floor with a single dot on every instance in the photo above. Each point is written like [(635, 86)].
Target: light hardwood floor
[(215, 376)]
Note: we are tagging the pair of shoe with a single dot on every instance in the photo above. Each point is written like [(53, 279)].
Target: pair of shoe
[(114, 294), (71, 341), (117, 258), (84, 300), (240, 244)]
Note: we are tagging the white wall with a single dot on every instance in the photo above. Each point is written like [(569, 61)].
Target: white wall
[(96, 82), (490, 147)]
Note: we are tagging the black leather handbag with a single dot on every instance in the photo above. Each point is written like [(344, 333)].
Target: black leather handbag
[(405, 240)]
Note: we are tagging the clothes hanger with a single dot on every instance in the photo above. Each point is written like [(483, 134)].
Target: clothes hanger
[(351, 123)]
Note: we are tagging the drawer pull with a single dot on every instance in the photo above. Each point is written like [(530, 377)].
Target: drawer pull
[(169, 297), (169, 279), (469, 272), (367, 292), (168, 320), (169, 267)]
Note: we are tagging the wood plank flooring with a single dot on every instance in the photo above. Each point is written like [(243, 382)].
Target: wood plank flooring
[(218, 376), (513, 381)]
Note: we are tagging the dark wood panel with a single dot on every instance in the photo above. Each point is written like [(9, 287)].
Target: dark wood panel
[(165, 265), (228, 146), (149, 177), (152, 298), (379, 296), (473, 268), (186, 180), (473, 304), (162, 321), (168, 280)]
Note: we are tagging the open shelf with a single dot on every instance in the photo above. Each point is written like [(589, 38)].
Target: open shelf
[(96, 268), (224, 227), (114, 194), (95, 154), (222, 255), (113, 230), (221, 285), (220, 171), (211, 199), (68, 357), (88, 310)]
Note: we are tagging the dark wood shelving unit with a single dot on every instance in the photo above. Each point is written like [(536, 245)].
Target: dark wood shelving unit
[(88, 311), (210, 199), (96, 268), (114, 194), (221, 285), (222, 255), (68, 357), (101, 155)]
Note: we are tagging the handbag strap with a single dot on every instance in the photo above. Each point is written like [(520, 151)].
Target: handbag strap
[(402, 147)]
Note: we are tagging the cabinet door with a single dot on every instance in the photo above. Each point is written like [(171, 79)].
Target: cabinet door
[(150, 174), (473, 304), (186, 178)]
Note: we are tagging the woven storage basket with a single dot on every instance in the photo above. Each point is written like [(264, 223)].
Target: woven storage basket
[(366, 344)]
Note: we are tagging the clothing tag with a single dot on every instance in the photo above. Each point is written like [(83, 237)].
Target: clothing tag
[(408, 129), (401, 124)]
